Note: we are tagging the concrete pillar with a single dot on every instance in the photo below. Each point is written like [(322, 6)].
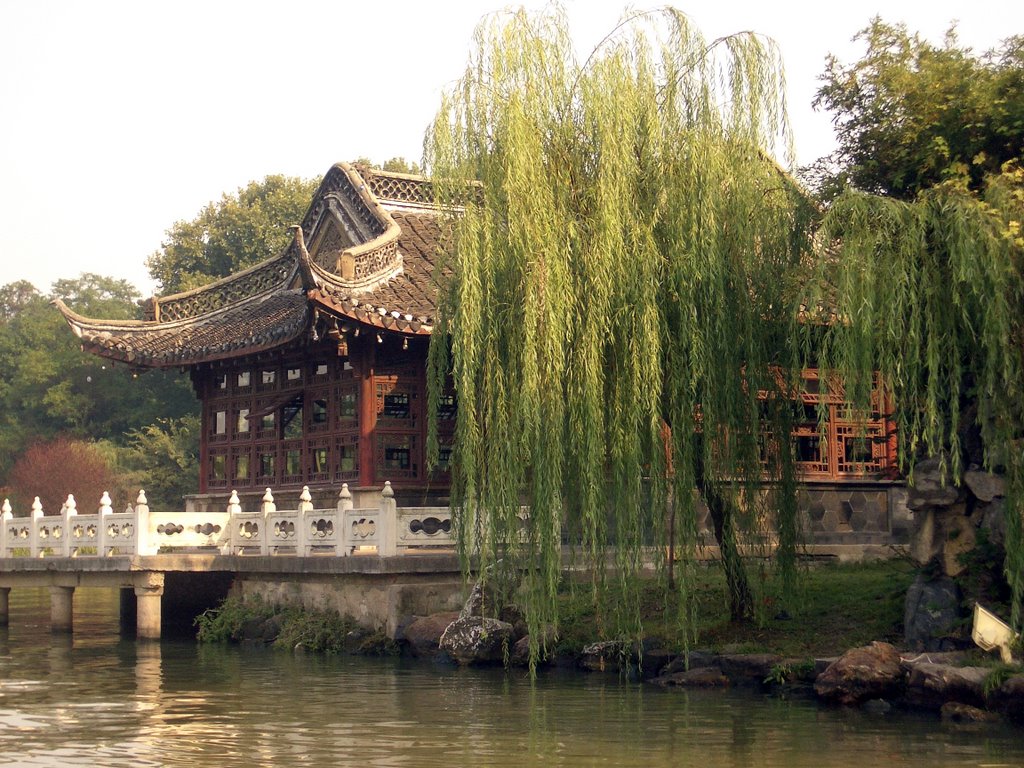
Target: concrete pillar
[(5, 602), (147, 612), (61, 609)]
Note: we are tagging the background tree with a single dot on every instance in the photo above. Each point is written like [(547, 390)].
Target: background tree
[(626, 262), (49, 387), (909, 114), (927, 268), (231, 234), (52, 469)]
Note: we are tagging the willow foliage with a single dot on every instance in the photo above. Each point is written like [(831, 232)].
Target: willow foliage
[(626, 262), (930, 294)]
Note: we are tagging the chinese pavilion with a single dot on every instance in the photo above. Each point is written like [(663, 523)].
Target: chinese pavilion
[(311, 365)]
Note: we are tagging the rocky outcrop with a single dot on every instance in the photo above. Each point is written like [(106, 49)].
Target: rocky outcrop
[(1008, 699), (749, 667), (947, 518), (956, 712), (860, 674), (423, 634), (931, 611), (700, 677), (477, 640), (930, 686)]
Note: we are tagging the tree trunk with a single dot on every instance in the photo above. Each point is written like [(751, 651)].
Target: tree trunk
[(723, 519)]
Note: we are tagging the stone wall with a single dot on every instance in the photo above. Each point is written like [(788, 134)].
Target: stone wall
[(375, 602)]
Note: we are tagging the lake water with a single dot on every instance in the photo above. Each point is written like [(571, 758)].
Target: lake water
[(95, 699)]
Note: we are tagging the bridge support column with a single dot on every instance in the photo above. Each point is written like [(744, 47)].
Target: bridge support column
[(61, 609), (148, 598), (5, 602)]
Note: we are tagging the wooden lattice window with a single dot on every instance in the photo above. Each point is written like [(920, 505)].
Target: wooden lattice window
[(347, 458), (319, 453), (397, 399), (217, 472), (397, 456), (241, 466), (291, 461), (319, 410)]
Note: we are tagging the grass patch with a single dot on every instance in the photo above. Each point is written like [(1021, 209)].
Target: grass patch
[(839, 606), (317, 631)]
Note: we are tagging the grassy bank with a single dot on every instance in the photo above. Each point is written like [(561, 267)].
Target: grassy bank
[(837, 607)]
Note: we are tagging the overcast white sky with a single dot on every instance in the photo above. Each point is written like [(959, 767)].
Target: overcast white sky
[(120, 117)]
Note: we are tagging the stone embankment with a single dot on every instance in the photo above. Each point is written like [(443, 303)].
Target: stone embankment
[(877, 677)]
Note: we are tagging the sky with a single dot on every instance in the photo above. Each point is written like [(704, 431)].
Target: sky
[(120, 117)]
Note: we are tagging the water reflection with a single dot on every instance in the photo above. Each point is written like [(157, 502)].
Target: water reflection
[(94, 699)]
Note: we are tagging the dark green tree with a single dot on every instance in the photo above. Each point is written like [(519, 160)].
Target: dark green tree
[(230, 234), (49, 387), (910, 114)]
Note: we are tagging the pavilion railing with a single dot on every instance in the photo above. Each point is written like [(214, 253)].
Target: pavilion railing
[(342, 531)]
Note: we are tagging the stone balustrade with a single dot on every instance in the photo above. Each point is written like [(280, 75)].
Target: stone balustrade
[(384, 530)]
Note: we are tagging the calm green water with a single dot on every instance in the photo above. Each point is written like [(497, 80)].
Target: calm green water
[(97, 700)]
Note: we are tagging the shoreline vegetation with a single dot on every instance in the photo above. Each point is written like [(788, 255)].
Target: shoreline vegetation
[(842, 611)]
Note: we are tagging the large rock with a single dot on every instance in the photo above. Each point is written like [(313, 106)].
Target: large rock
[(956, 712), (748, 667), (985, 485), (932, 685), (1009, 698), (477, 640), (700, 677), (423, 634), (931, 612), (860, 674), (991, 518)]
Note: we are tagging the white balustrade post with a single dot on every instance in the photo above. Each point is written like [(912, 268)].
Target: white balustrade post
[(33, 531), (6, 515), (234, 509), (387, 523), (302, 521), (69, 504), (343, 546), (67, 513), (101, 534), (142, 545), (268, 508)]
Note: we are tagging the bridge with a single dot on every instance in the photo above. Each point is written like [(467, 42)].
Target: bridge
[(374, 563)]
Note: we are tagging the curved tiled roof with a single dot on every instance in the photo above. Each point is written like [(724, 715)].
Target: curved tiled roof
[(378, 269), (407, 301), (260, 323)]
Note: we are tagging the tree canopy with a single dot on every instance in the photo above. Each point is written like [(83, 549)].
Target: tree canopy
[(50, 388), (910, 114), (230, 234), (624, 265), (638, 287)]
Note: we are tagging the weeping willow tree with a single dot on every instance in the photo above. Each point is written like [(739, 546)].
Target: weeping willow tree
[(930, 294), (635, 288), (621, 302)]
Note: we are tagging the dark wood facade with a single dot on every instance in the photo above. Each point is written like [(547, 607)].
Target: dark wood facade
[(321, 414), (311, 365)]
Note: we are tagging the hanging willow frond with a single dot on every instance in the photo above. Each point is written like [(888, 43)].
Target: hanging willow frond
[(628, 313), (622, 266)]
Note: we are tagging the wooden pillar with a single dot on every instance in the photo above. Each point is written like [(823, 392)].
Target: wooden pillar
[(5, 602), (148, 599), (367, 409), (62, 609)]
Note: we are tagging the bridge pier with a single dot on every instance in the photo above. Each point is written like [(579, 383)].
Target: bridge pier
[(61, 609), (147, 611), (5, 605)]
